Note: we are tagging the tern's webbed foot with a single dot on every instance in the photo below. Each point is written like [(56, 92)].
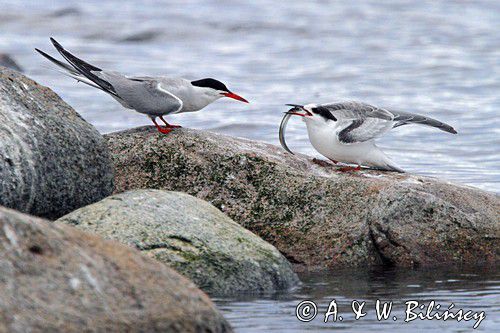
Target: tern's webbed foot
[(164, 130)]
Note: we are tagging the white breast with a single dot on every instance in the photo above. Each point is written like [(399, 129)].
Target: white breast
[(323, 137)]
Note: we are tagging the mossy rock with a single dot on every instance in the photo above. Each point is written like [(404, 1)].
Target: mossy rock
[(190, 235), (317, 216)]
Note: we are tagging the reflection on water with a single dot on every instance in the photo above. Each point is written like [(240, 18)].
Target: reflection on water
[(468, 289), (439, 58)]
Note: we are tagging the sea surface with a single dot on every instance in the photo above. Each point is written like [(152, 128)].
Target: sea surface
[(438, 58), (472, 289)]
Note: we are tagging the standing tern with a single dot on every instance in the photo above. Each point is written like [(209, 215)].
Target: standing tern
[(153, 96), (345, 132)]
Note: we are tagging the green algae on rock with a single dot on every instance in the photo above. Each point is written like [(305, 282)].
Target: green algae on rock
[(316, 216), (190, 235)]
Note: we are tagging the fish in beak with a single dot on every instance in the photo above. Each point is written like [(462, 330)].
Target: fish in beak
[(297, 110)]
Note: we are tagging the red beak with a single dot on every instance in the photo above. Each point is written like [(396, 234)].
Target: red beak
[(298, 114), (233, 95), (307, 114), (297, 109)]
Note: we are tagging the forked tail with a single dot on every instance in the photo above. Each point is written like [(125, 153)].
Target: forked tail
[(79, 69)]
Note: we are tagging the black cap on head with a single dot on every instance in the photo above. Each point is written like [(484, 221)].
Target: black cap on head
[(324, 112), (210, 83)]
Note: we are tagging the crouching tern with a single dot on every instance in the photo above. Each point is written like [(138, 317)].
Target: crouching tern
[(153, 96), (345, 132)]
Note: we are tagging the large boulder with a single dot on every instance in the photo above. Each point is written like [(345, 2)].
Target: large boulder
[(315, 215), (190, 235), (51, 160), (55, 278)]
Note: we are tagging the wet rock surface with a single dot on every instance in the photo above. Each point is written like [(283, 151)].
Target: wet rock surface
[(191, 236), (55, 278), (315, 215), (51, 160)]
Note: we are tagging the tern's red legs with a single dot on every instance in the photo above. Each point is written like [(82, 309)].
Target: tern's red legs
[(350, 168), (161, 129), (168, 125)]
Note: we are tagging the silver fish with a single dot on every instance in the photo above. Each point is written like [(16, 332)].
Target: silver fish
[(283, 124)]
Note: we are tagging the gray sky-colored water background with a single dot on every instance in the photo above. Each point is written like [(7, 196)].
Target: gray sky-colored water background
[(438, 58)]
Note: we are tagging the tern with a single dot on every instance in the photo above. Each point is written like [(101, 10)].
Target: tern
[(153, 96), (345, 132)]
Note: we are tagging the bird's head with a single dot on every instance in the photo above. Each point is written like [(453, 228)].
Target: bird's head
[(216, 89), (311, 112)]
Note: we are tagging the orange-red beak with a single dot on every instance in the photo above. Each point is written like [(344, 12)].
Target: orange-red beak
[(298, 114), (234, 96), (297, 109)]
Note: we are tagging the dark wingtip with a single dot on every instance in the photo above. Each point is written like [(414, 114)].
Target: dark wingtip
[(43, 53), (451, 130), (295, 105), (56, 43)]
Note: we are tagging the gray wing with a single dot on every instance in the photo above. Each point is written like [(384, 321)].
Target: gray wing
[(144, 94), (405, 118), (357, 110), (359, 122)]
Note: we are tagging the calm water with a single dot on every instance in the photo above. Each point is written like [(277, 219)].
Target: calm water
[(439, 58), (468, 289)]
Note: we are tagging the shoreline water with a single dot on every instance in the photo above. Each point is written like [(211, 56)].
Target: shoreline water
[(473, 288)]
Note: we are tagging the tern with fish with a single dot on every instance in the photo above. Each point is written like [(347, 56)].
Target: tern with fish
[(345, 132)]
